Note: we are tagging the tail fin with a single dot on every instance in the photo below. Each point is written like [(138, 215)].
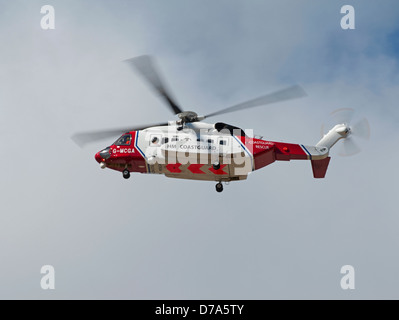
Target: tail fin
[(319, 167)]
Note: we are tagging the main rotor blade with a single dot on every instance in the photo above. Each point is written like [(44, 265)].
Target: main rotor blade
[(83, 138), (145, 66), (281, 95)]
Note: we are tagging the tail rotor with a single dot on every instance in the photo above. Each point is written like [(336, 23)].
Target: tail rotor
[(347, 132)]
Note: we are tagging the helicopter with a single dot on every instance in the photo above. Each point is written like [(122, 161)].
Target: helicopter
[(188, 148)]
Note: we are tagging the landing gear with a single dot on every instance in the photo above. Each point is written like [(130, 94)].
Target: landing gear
[(216, 165), (126, 174), (219, 187)]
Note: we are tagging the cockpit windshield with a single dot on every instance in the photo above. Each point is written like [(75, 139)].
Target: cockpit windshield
[(125, 140)]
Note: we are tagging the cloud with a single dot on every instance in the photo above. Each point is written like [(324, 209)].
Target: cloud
[(280, 234)]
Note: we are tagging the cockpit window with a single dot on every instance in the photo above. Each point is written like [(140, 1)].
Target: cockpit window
[(125, 140)]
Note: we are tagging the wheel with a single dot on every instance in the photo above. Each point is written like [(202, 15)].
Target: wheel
[(126, 174), (219, 187), (216, 165)]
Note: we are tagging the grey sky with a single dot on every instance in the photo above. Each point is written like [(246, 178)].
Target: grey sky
[(280, 234)]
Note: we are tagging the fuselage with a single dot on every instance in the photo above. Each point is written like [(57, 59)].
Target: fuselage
[(190, 152)]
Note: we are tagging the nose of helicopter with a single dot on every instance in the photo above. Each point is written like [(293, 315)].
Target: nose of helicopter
[(98, 158)]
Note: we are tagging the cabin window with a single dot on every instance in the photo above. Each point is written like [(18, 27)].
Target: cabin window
[(165, 140), (175, 138), (155, 140), (222, 142), (210, 141), (125, 140)]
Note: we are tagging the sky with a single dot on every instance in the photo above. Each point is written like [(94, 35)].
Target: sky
[(278, 235)]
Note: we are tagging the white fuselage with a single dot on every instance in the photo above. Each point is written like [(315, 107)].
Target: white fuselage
[(190, 152)]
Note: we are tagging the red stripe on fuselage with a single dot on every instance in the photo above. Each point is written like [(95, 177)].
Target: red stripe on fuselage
[(196, 168), (173, 167), (219, 171)]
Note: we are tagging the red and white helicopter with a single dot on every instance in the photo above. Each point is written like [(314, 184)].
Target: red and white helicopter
[(191, 149)]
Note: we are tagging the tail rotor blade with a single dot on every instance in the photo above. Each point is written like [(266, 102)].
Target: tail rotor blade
[(361, 129), (349, 148), (342, 116)]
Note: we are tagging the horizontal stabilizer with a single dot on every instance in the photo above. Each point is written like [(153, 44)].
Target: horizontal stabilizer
[(320, 167)]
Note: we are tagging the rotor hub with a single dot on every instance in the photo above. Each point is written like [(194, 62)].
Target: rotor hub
[(188, 116)]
